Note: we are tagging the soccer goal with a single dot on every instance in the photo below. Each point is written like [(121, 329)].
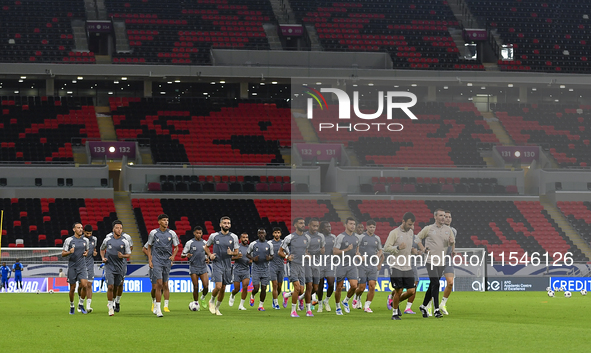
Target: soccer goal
[(31, 256), (470, 269)]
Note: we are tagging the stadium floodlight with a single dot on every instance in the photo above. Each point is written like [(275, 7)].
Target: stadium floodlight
[(111, 149)]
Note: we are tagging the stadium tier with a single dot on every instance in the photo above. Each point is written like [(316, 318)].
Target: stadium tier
[(222, 183), (411, 185), (509, 226), (48, 221), (578, 214), (445, 134), (184, 32), (247, 215), (564, 130), (41, 32), (414, 32), (546, 36), (191, 131), (42, 128)]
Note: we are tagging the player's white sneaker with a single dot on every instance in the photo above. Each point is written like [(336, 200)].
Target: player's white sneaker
[(241, 307), (217, 312), (443, 310), (319, 308), (430, 310), (89, 309), (159, 313), (355, 302), (231, 301), (211, 307), (326, 305), (368, 310), (111, 312)]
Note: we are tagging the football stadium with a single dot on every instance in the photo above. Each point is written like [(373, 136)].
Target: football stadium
[(389, 173)]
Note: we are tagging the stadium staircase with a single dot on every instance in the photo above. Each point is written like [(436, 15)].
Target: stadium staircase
[(340, 205), (126, 215), (79, 31), (307, 130), (121, 39), (497, 128), (90, 9), (272, 37), (105, 124), (566, 227), (283, 11), (314, 40)]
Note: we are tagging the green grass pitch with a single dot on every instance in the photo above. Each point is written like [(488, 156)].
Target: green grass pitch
[(492, 321)]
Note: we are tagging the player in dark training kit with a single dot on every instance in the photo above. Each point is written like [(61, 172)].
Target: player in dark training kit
[(92, 245), (119, 290), (261, 253), (293, 249), (17, 268), (315, 250), (76, 249), (114, 252), (225, 245), (241, 271), (161, 242), (346, 244), (325, 271), (197, 253), (370, 246), (276, 267)]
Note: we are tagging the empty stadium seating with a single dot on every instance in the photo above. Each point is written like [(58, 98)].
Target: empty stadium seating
[(445, 134), (222, 183), (202, 131), (564, 130), (546, 36), (41, 32), (246, 215), (414, 32), (42, 128), (428, 185), (578, 214), (48, 221), (184, 32), (518, 226)]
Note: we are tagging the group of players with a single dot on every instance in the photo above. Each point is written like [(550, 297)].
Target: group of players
[(301, 255), (17, 268)]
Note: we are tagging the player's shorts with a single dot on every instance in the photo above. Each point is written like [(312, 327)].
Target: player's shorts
[(114, 279), (198, 270), (296, 273), (76, 274), (151, 275), (449, 269), (160, 272), (18, 277), (260, 278), (276, 272), (90, 270), (327, 272), (415, 272), (312, 274), (221, 273), (348, 272), (367, 273), (240, 275), (402, 279)]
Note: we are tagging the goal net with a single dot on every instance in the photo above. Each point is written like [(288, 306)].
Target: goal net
[(30, 256), (470, 269)]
